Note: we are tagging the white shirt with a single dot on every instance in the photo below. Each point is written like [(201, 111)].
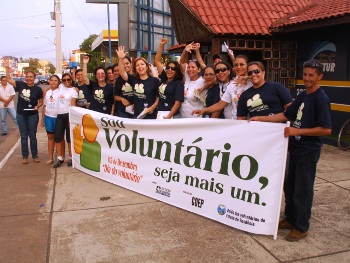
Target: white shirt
[(6, 93), (192, 99), (231, 96), (65, 97), (51, 103)]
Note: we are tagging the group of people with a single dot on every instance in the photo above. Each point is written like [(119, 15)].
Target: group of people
[(187, 89)]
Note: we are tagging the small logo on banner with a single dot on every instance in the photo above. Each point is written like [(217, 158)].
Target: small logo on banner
[(163, 191), (197, 202), (221, 209)]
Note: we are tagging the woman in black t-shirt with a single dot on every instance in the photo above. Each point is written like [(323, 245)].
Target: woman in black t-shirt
[(145, 87), (30, 99), (171, 91), (101, 99)]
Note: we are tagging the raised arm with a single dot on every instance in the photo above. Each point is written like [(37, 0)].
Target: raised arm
[(85, 77), (121, 55), (153, 71), (231, 55), (158, 57), (8, 77), (183, 58), (196, 47)]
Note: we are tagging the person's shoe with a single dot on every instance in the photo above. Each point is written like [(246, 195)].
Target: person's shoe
[(4, 133), (58, 163), (283, 224), (295, 235), (69, 163)]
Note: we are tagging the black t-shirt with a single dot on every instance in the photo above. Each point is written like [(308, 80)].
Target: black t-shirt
[(84, 95), (28, 98), (145, 94), (101, 97), (169, 92), (211, 98), (308, 111), (123, 89), (269, 99)]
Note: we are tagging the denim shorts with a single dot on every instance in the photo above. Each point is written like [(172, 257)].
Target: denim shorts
[(50, 124)]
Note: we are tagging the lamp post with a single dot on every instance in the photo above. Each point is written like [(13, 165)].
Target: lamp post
[(58, 57)]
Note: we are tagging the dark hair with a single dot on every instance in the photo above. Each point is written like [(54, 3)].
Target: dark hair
[(313, 63), (66, 74), (114, 65), (243, 57), (31, 72), (128, 58), (195, 62), (78, 70), (2, 77), (257, 63), (178, 72), (108, 68), (207, 68), (227, 66), (55, 76), (97, 68), (215, 56)]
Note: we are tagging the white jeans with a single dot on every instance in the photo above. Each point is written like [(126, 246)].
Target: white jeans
[(12, 113)]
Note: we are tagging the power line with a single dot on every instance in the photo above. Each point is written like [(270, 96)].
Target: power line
[(80, 18), (7, 19)]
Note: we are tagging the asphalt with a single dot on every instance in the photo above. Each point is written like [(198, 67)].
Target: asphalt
[(64, 215)]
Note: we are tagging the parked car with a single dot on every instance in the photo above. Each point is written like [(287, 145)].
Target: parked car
[(44, 80)]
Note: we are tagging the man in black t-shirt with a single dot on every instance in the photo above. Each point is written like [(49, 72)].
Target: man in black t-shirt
[(310, 113)]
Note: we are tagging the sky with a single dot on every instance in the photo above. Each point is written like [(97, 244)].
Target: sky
[(22, 20)]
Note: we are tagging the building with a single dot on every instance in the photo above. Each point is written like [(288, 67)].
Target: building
[(141, 25), (282, 34)]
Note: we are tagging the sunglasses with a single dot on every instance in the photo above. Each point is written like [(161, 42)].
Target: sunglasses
[(66, 79), (312, 64), (255, 71), (220, 70), (172, 68)]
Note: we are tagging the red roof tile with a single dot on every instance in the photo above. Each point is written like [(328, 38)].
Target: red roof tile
[(318, 10), (246, 16)]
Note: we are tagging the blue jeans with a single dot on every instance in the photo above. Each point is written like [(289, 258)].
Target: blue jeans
[(299, 189), (12, 113), (27, 127)]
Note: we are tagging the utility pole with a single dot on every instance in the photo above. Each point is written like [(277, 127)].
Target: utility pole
[(57, 7)]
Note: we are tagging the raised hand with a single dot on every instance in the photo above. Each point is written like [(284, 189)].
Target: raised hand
[(86, 59), (189, 47), (163, 41), (121, 52), (196, 46)]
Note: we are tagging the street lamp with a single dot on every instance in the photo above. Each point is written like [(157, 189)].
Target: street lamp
[(58, 56), (53, 42)]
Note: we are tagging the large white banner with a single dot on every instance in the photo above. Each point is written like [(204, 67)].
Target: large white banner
[(226, 170)]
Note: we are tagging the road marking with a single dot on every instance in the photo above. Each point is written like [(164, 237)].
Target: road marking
[(3, 161)]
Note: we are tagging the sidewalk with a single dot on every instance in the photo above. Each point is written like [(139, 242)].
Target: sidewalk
[(63, 215)]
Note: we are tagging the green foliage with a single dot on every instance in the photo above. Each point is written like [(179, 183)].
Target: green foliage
[(34, 65), (95, 57), (52, 68), (85, 46)]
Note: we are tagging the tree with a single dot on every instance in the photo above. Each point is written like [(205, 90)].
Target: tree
[(34, 65), (95, 57), (86, 45), (52, 68)]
